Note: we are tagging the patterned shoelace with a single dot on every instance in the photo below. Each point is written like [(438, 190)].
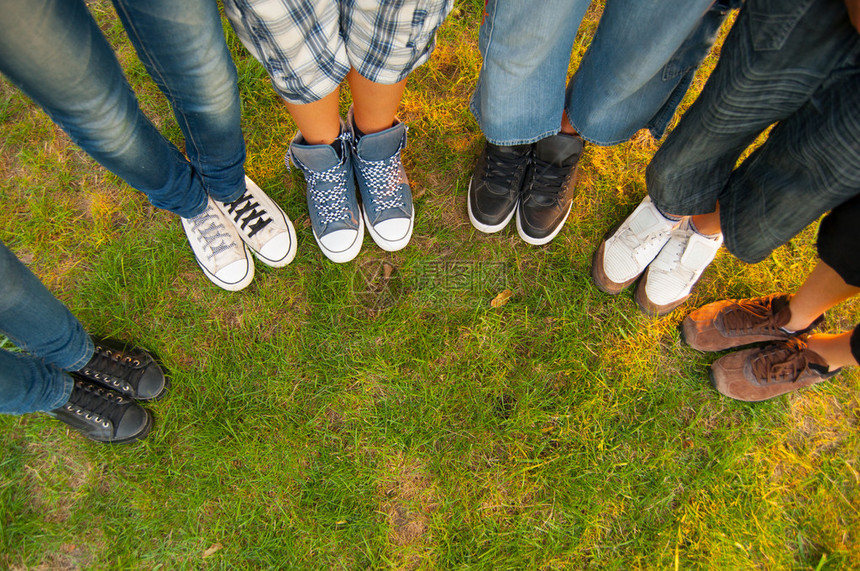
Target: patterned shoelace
[(331, 204), (214, 236), (383, 178), (246, 211)]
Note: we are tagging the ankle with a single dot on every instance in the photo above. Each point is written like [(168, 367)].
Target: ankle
[(797, 321), (370, 128), (834, 349), (703, 227)]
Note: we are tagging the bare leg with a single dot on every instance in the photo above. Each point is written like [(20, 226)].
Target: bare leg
[(319, 122), (707, 224), (374, 104), (835, 349), (821, 290), (566, 127)]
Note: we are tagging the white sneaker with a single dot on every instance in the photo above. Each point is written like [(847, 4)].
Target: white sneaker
[(262, 225), (219, 249), (671, 276), (626, 251)]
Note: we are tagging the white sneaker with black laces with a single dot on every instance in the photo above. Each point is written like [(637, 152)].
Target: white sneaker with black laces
[(670, 278), (218, 248), (262, 225)]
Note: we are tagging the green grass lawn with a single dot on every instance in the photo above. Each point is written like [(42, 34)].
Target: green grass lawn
[(383, 413)]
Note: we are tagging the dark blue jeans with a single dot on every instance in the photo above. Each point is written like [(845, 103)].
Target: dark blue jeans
[(54, 341), (795, 63), (54, 51)]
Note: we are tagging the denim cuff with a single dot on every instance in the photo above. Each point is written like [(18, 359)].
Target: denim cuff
[(87, 354), (68, 383)]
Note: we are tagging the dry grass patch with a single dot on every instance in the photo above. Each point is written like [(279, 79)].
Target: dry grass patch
[(408, 499)]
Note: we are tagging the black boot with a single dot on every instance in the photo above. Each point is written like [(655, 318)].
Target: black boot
[(104, 415), (128, 370), (549, 188)]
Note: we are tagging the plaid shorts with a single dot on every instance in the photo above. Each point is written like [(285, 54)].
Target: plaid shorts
[(308, 46)]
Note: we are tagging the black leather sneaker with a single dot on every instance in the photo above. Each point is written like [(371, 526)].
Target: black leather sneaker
[(495, 185), (103, 415), (130, 371), (548, 188)]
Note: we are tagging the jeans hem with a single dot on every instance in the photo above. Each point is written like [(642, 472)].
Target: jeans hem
[(89, 351), (68, 385)]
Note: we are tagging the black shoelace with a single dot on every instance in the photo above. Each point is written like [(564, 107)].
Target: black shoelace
[(503, 168), (94, 403), (115, 368), (548, 181), (245, 212)]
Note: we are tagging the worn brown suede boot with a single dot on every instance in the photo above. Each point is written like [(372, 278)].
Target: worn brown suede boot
[(762, 373), (736, 322)]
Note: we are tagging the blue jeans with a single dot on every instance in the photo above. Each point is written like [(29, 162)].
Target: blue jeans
[(54, 341), (791, 62), (54, 51), (635, 72)]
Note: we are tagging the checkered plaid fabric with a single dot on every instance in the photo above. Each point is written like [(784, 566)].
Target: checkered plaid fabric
[(308, 46)]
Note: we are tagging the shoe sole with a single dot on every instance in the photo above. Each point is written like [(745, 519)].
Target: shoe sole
[(241, 284), (547, 239), (599, 277), (389, 245), (486, 228), (652, 309), (682, 334), (344, 255)]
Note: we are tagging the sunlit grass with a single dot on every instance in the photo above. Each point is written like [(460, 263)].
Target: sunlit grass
[(328, 418)]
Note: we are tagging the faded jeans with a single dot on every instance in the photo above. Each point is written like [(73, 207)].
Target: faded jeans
[(54, 51), (634, 74)]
